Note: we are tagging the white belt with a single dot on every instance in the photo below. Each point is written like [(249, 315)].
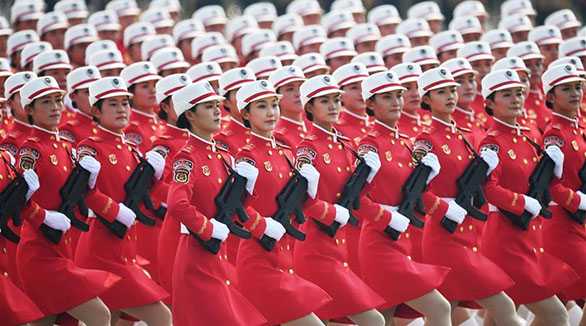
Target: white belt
[(184, 229)]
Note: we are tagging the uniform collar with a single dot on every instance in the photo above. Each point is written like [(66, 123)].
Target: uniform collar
[(85, 115), (469, 114), (44, 131), (334, 134), (536, 93), (22, 125), (516, 128), (451, 125), (152, 116), (365, 119), (394, 131), (562, 117), (238, 123), (206, 142), (118, 137), (268, 141), (302, 123), (415, 117), (176, 130)]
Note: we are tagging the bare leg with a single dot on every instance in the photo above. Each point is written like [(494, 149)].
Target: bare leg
[(92, 313), (309, 320), (368, 318), (550, 311), (389, 316), (488, 320), (154, 314), (115, 317), (502, 309), (47, 321), (434, 307)]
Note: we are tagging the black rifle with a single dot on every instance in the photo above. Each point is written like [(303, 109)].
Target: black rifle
[(12, 199), (350, 194), (580, 215), (470, 195), (539, 182), (411, 190), (137, 190), (229, 202), (72, 195), (290, 201)]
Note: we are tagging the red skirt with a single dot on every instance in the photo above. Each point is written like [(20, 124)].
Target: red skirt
[(538, 275), (389, 269), (146, 247), (15, 307), (101, 249), (460, 252), (166, 249), (324, 261), (566, 239), (268, 280), (51, 279), (203, 293)]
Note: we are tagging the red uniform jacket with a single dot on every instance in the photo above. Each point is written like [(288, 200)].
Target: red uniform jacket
[(290, 132), (143, 129)]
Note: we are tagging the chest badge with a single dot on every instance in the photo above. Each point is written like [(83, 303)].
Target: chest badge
[(446, 149), (512, 154), (327, 158), (205, 170), (54, 159), (388, 156), (113, 159), (575, 145), (268, 166)]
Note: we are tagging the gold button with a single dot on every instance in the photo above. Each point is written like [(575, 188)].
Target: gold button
[(339, 169), (524, 138), (288, 247), (534, 227), (330, 146), (126, 260), (338, 195), (534, 250), (290, 174), (220, 256), (228, 282), (64, 145), (225, 257), (474, 249), (470, 227), (94, 131), (6, 274), (515, 140), (1, 177), (402, 143), (65, 168), (280, 175), (340, 147), (280, 152), (4, 250), (119, 146), (270, 152), (406, 235), (448, 137), (541, 250), (460, 137), (409, 257), (459, 157), (127, 168), (400, 164), (535, 158), (461, 229), (130, 148), (525, 161), (345, 264), (248, 140), (337, 241), (219, 180), (219, 156), (302, 135), (343, 241), (133, 260), (281, 248), (348, 168), (128, 237), (291, 271), (55, 145), (363, 130), (209, 156)]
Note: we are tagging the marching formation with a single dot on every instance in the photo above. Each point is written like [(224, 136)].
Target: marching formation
[(351, 166)]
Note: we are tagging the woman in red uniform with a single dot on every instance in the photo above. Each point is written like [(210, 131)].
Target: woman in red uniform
[(399, 279), (268, 279), (203, 291), (458, 250), (538, 275), (47, 272), (16, 308), (291, 128), (326, 164), (563, 88), (136, 294), (410, 121), (168, 144), (21, 129)]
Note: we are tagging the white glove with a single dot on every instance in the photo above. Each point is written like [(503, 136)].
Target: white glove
[(532, 205), (557, 156), (398, 221), (220, 230), (455, 212), (274, 229), (157, 161), (491, 158), (93, 166), (32, 181), (250, 173), (373, 161), (310, 173), (582, 205), (342, 215), (431, 160), (125, 215), (57, 221)]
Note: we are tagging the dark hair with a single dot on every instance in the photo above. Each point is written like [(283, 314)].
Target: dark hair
[(308, 114), (98, 105), (244, 121), (30, 117), (548, 103), (424, 105), (162, 114), (486, 108), (41, 74), (131, 89), (182, 121), (369, 111), (227, 98)]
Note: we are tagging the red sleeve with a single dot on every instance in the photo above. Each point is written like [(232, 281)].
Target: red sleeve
[(179, 199)]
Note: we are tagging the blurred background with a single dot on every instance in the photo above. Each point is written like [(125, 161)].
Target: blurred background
[(234, 7)]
